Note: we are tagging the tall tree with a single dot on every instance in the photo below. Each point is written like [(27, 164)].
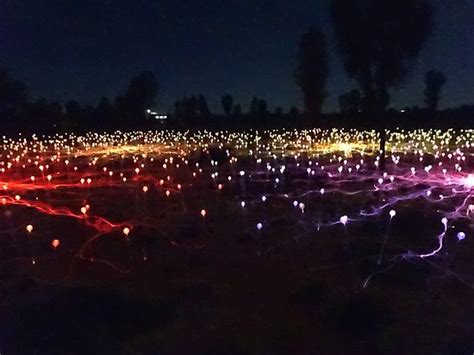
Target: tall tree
[(227, 102), (254, 106), (434, 81), (377, 41), (139, 96), (13, 95), (203, 108), (312, 70)]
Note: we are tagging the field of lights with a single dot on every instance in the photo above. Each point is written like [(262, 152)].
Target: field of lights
[(116, 201)]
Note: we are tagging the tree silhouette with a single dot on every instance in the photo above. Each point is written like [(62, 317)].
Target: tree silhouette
[(13, 95), (350, 102), (103, 114), (227, 101), (294, 112), (434, 81), (262, 107), (254, 106), (203, 108), (237, 110), (377, 41), (312, 70), (139, 96)]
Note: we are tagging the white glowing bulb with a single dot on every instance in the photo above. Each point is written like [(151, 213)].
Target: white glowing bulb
[(392, 213), (344, 220), (29, 228), (259, 226), (461, 235), (126, 231)]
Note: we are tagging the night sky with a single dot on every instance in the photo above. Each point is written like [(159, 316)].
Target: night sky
[(85, 49)]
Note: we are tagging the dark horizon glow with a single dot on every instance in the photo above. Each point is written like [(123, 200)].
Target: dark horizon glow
[(88, 49)]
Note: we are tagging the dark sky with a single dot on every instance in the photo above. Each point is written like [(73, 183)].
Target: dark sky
[(86, 49)]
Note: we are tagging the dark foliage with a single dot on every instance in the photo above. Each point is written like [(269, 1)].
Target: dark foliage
[(434, 81), (313, 68)]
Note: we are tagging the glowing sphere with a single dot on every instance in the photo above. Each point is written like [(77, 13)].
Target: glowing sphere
[(344, 220), (126, 231), (29, 228), (259, 226), (392, 213), (55, 243), (203, 213), (461, 235)]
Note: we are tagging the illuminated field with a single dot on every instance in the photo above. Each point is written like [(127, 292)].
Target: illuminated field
[(115, 200)]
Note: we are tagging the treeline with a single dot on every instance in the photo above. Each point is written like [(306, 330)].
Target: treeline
[(126, 111), (378, 42)]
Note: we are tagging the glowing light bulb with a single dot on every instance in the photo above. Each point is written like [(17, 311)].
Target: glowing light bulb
[(301, 206), (55, 243), (29, 228), (203, 213), (344, 220), (259, 226), (392, 213), (126, 231), (461, 236)]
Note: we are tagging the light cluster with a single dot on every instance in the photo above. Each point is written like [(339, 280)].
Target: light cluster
[(111, 188)]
